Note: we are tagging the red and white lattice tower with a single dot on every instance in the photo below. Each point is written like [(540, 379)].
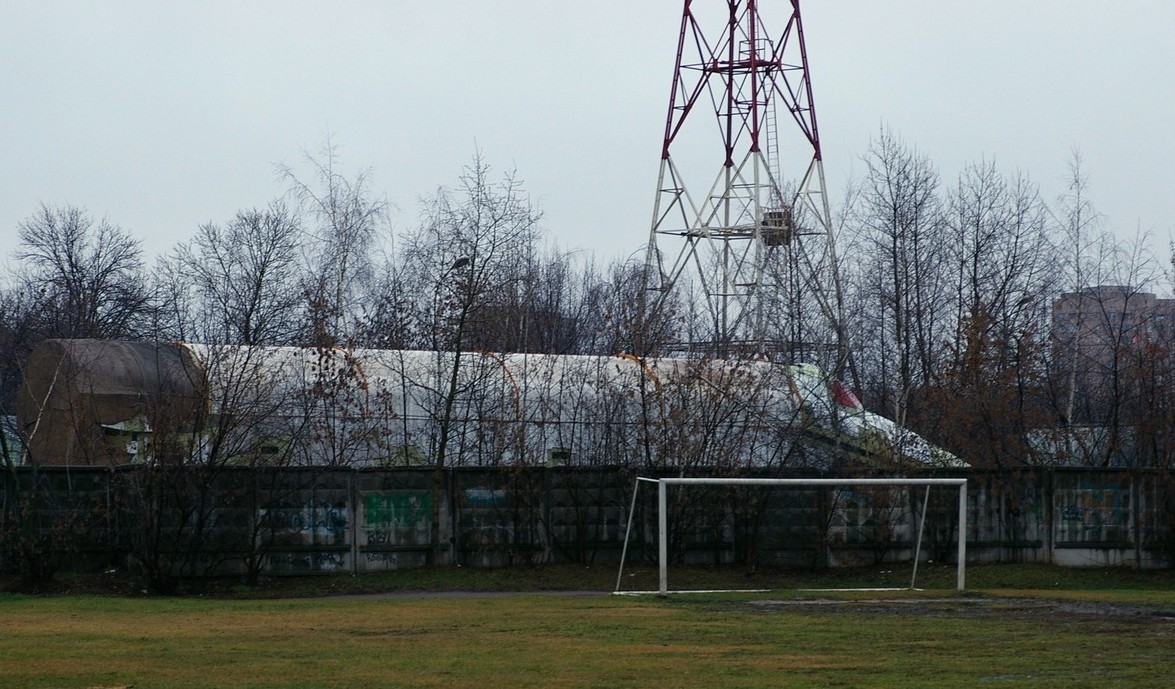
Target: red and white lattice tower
[(745, 226)]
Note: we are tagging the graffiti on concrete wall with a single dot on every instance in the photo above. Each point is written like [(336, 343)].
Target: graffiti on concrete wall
[(486, 517), (1092, 515), (396, 518), (868, 515), (316, 522), (486, 497), (306, 563)]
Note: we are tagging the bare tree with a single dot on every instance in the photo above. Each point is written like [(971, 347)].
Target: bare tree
[(1110, 343), (902, 269), (1003, 253), (242, 279), (630, 318), (1003, 264), (342, 218), (468, 248), (1085, 256), (19, 320), (387, 319), (949, 296), (537, 309), (78, 279), (1154, 360), (87, 278)]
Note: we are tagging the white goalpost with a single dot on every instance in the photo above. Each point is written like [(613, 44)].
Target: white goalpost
[(663, 522)]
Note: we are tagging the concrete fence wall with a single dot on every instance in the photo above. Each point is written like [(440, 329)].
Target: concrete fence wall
[(304, 521)]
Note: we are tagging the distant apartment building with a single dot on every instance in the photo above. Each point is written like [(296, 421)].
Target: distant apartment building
[(1109, 344), (1099, 319)]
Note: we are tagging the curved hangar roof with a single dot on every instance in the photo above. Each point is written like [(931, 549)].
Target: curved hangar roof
[(83, 400)]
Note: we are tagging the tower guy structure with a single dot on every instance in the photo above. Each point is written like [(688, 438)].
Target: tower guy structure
[(741, 222)]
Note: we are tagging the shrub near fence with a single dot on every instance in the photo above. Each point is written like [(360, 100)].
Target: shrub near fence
[(191, 522)]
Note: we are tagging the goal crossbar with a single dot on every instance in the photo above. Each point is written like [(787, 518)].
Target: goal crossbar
[(663, 512)]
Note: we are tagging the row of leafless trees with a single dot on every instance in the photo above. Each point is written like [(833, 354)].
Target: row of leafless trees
[(948, 287), (949, 291), (321, 267), (954, 289)]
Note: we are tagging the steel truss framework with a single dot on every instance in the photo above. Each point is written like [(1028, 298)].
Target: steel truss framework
[(756, 247)]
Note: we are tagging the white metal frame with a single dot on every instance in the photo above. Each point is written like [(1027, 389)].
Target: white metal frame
[(663, 523)]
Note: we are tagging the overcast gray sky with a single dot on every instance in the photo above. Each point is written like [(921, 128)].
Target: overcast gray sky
[(161, 116)]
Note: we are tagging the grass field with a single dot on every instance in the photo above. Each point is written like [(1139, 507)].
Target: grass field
[(1042, 627)]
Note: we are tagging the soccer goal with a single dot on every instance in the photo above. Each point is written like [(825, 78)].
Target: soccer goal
[(663, 523)]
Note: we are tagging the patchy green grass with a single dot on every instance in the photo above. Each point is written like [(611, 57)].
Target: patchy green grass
[(1015, 635)]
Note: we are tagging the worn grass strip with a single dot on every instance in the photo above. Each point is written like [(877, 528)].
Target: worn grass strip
[(543, 641)]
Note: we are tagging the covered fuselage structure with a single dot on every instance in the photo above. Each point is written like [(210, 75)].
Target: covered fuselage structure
[(354, 407)]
